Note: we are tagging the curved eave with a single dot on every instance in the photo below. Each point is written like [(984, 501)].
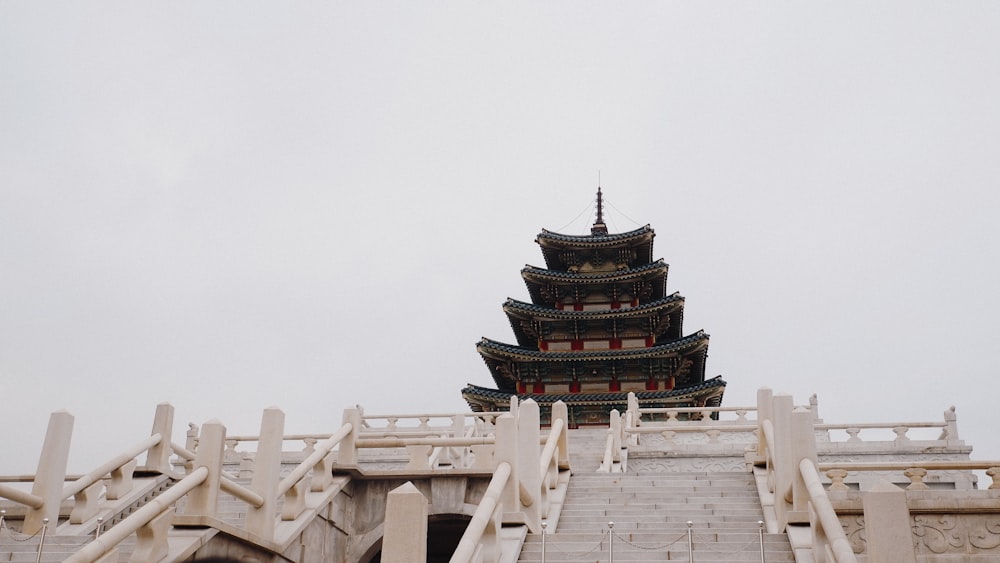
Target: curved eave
[(554, 245), (640, 235), (709, 388), (505, 352), (543, 275), (525, 310), (520, 311), (538, 279)]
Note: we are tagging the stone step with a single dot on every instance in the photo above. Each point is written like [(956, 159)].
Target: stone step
[(696, 516), (676, 524), (704, 475), (651, 514), (659, 547), (624, 504), (660, 496), (624, 553), (658, 481), (55, 549), (677, 486), (649, 536), (669, 508), (627, 500)]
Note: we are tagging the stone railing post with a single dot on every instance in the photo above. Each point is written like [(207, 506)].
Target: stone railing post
[(405, 530), (887, 524), (151, 540), (528, 458), (950, 426), (347, 451), (633, 407), (203, 500), (803, 446), (191, 437), (764, 403), (267, 473), (560, 412), (158, 457), (814, 406), (505, 450), (121, 481), (616, 434), (783, 456), (457, 457), (50, 476)]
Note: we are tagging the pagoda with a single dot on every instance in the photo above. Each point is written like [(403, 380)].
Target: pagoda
[(600, 325)]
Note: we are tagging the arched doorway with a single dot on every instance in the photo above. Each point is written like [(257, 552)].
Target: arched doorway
[(444, 531)]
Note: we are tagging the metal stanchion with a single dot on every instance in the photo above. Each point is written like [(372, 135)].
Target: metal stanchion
[(690, 543), (100, 524), (545, 525), (3, 514), (611, 542), (760, 533), (41, 540)]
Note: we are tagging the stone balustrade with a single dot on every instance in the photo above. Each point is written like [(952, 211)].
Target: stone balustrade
[(802, 462), (674, 415), (877, 519), (523, 481), (916, 471), (454, 424), (287, 488)]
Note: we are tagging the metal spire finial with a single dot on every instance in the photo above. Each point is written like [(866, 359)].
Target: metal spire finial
[(599, 226)]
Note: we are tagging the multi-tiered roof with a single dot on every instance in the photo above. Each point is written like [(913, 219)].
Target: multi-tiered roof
[(600, 324)]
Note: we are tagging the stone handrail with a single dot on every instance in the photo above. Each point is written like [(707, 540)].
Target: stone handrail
[(613, 445), (455, 427), (522, 479), (322, 449), (82, 482), (705, 412), (239, 491), (825, 519), (370, 443), (188, 456), (425, 453), (549, 463), (787, 449), (608, 461), (767, 441), (142, 517), (49, 486), (914, 470), (526, 477), (111, 465), (205, 478), (634, 427), (853, 431), (489, 511), (428, 447), (22, 497)]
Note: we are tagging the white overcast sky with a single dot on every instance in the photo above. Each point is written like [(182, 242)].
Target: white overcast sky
[(232, 205)]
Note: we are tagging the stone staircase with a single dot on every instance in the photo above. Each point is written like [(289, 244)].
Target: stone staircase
[(650, 514), (21, 550), (18, 548)]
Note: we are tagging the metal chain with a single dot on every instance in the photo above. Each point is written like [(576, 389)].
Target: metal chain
[(664, 546), (600, 544), (14, 535)]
